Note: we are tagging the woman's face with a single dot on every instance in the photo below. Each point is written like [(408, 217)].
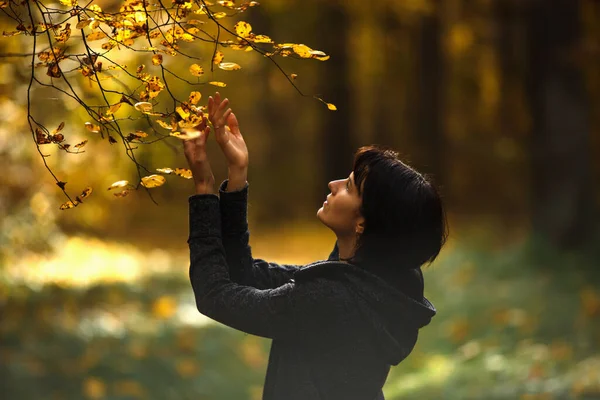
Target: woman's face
[(341, 210)]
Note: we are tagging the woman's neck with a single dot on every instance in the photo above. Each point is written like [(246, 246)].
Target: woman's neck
[(346, 247)]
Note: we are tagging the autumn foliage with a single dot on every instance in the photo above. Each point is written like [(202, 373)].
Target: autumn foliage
[(82, 44)]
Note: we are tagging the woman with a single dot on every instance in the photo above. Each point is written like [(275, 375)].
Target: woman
[(339, 324)]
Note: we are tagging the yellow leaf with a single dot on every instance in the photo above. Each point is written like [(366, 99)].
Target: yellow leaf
[(83, 23), (238, 46), (218, 57), (184, 173), (164, 124), (86, 192), (95, 36), (302, 50), (186, 135), (80, 145), (157, 59), (140, 17), (188, 37), (140, 134), (195, 97), (261, 39), (330, 106), (219, 84), (227, 4), (219, 15), (165, 170), (59, 128), (153, 181), (64, 34), (92, 127), (191, 122), (293, 76), (114, 108), (118, 184), (317, 53), (182, 113), (53, 71), (143, 106), (243, 29), (196, 70), (122, 193), (12, 33), (68, 204), (68, 3), (164, 307), (229, 66), (323, 58)]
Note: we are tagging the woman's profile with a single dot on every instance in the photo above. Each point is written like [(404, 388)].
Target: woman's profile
[(337, 325)]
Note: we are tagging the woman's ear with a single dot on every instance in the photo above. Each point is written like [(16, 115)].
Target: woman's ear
[(360, 226)]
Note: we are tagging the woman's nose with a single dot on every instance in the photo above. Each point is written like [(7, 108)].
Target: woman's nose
[(331, 185)]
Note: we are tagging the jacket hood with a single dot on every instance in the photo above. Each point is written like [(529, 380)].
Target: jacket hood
[(392, 317)]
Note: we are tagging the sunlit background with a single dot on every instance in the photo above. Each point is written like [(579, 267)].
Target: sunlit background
[(498, 100)]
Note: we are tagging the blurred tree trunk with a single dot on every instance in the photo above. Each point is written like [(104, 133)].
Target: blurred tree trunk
[(430, 71), (273, 113), (562, 196), (508, 23), (386, 111), (339, 144)]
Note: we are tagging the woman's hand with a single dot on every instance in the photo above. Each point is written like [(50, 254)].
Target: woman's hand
[(195, 153), (228, 135)]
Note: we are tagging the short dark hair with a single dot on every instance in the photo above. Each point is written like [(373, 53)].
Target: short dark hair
[(405, 221)]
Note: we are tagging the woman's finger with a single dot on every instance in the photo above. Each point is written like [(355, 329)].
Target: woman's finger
[(223, 105), (206, 132), (226, 115), (211, 103), (233, 124)]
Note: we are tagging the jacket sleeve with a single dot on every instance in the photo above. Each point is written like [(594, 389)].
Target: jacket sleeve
[(287, 311), (243, 268)]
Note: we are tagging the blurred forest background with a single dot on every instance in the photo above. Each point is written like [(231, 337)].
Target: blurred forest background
[(499, 100)]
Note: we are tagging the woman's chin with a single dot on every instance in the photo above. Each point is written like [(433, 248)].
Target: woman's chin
[(319, 214)]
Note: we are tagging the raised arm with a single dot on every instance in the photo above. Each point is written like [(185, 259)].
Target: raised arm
[(290, 311), (243, 268), (234, 203)]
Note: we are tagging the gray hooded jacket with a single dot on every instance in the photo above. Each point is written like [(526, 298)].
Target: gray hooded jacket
[(336, 328)]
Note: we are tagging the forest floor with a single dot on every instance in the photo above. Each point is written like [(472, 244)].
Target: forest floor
[(102, 320)]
